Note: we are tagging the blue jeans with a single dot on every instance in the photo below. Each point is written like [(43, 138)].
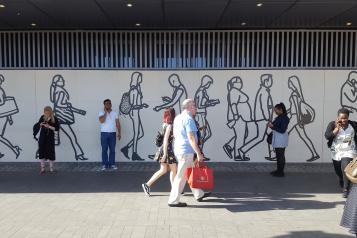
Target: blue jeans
[(108, 140)]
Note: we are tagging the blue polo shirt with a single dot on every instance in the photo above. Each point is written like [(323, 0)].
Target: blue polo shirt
[(183, 124)]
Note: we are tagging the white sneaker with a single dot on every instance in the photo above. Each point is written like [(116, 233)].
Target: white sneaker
[(146, 189), (103, 168), (114, 167)]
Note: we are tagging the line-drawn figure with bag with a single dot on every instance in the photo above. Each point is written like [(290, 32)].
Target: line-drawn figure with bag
[(263, 113), (64, 111), (178, 95), (300, 114), (202, 102), (8, 107), (239, 113), (348, 96), (131, 104)]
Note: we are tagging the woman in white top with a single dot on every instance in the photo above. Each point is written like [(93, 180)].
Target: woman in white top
[(341, 136)]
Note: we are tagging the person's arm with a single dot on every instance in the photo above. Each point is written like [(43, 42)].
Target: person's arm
[(102, 116), (191, 139), (281, 125), (117, 122), (166, 140), (331, 130)]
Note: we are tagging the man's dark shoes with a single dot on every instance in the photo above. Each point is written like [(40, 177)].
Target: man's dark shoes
[(345, 193), (180, 204), (204, 196)]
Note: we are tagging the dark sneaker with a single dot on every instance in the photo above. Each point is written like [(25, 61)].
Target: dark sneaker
[(278, 174), (146, 189), (180, 204), (205, 195), (345, 193)]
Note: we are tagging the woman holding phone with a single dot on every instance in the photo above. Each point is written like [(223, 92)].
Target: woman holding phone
[(342, 139)]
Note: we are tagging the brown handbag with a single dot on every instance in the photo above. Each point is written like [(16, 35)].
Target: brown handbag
[(351, 171)]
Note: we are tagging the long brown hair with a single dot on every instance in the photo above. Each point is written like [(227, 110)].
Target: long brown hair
[(169, 115), (51, 117)]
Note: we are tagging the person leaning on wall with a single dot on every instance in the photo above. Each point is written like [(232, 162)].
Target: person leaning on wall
[(109, 125), (342, 139), (280, 137), (47, 125)]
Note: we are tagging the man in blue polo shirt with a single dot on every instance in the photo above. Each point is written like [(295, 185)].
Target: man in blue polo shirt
[(185, 146)]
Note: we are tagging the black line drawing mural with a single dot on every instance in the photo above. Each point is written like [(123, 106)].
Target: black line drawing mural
[(131, 104), (178, 95), (263, 113), (300, 114), (348, 96), (202, 102), (239, 114), (64, 111), (8, 107)]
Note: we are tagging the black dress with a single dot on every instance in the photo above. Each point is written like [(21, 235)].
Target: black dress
[(46, 142), (170, 159)]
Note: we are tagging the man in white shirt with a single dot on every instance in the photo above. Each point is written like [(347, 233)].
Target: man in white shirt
[(110, 129)]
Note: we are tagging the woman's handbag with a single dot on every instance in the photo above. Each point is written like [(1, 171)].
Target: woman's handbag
[(200, 176), (270, 138), (351, 171)]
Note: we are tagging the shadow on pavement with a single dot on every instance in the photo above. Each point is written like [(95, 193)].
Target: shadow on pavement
[(312, 234)]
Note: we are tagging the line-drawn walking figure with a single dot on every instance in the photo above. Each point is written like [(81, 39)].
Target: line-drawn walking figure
[(202, 102), (239, 113), (8, 108), (348, 96), (300, 114), (64, 111), (135, 98), (178, 95), (263, 113)]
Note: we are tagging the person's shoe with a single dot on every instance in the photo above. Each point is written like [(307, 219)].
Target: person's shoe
[(313, 158), (135, 156), (42, 171), (206, 159), (146, 189), (103, 168), (205, 195), (53, 171), (345, 193), (180, 204), (114, 167), (278, 174), (125, 151), (228, 150), (273, 172)]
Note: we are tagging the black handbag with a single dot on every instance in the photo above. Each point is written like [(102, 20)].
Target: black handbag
[(270, 138), (159, 139)]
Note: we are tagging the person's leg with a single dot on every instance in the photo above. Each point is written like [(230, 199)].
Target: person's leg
[(280, 156), (173, 171), (344, 162), (112, 142), (157, 174), (180, 178), (42, 163), (105, 145), (52, 165), (337, 166)]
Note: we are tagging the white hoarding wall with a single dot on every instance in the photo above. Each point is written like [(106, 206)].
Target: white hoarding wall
[(234, 107)]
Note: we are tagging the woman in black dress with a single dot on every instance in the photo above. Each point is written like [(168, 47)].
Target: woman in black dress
[(48, 124)]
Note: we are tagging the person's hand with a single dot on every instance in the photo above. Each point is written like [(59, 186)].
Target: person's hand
[(119, 136), (200, 157), (270, 125), (145, 105)]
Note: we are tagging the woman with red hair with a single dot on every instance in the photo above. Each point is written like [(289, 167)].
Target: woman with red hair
[(167, 158)]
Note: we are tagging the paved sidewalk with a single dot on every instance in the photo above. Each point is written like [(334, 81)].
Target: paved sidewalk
[(112, 205)]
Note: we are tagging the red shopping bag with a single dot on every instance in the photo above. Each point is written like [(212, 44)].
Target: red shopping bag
[(200, 177)]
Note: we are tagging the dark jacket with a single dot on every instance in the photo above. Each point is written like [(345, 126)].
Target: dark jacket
[(280, 124), (331, 126)]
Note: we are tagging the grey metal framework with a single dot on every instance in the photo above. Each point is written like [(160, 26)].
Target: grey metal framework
[(251, 49)]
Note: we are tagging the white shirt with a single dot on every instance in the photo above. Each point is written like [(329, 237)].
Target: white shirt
[(109, 125), (344, 144)]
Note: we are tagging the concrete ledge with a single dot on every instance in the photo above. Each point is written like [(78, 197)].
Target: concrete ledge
[(152, 166)]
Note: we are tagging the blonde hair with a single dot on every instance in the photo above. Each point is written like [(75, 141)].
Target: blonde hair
[(51, 117)]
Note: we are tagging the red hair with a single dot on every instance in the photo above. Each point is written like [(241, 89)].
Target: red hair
[(169, 115)]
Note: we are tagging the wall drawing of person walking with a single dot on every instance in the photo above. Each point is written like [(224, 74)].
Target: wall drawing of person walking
[(348, 95), (203, 102), (300, 114), (178, 95), (134, 104), (8, 108), (64, 111), (263, 113), (239, 113)]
